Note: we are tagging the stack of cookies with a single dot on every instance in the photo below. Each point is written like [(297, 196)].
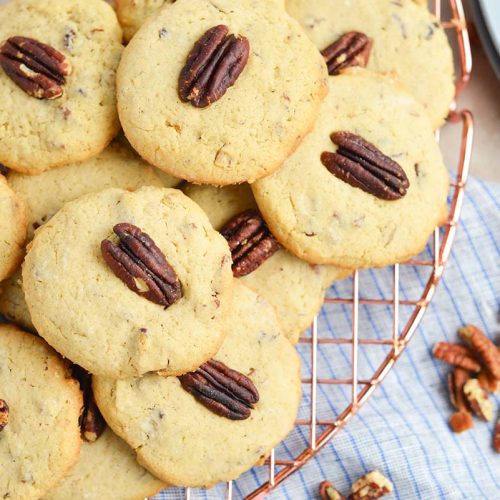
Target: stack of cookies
[(155, 280)]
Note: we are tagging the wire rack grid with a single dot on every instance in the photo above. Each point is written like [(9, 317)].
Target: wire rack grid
[(321, 431)]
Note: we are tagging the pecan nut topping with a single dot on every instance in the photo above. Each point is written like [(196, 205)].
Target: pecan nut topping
[(250, 241), (351, 49), (483, 347), (4, 414), (213, 65), (478, 400), (223, 391), (92, 423), (37, 68), (141, 265), (362, 165)]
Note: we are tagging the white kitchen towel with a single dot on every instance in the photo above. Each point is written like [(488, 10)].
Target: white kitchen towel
[(403, 429)]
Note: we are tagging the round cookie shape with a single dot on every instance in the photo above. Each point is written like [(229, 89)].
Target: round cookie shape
[(254, 126), (12, 230), (408, 42), (117, 166), (294, 287), (41, 440), (83, 309), (324, 219), (107, 469), (39, 134), (180, 440)]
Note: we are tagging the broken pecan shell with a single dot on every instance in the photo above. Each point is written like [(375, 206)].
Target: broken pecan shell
[(223, 391), (213, 65), (250, 241), (371, 485), (483, 347), (37, 68), (362, 165), (351, 49), (457, 355), (4, 414), (478, 400), (328, 492), (141, 265)]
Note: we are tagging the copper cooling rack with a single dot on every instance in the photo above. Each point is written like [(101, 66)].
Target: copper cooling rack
[(321, 431)]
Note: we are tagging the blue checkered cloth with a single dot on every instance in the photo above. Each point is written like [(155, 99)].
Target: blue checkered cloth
[(403, 429)]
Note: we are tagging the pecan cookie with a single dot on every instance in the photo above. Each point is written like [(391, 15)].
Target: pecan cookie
[(44, 194), (367, 187), (107, 469), (406, 40), (294, 287), (123, 283), (178, 435), (39, 408), (12, 229), (58, 63), (207, 70)]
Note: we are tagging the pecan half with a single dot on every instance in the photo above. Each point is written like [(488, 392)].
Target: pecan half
[(496, 437), (461, 420), (483, 347), (91, 421), (4, 414), (371, 485), (141, 265), (328, 492), (351, 49), (478, 400), (37, 68), (457, 355), (362, 165), (223, 391), (213, 65), (250, 241)]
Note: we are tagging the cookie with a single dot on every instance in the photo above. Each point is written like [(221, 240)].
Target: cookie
[(41, 439), (182, 441), (75, 117), (294, 287), (231, 139), (408, 42), (13, 305), (117, 166), (107, 469), (12, 230), (88, 309), (321, 217), (133, 13)]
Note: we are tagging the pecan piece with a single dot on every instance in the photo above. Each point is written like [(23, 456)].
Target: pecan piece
[(250, 241), (371, 485), (351, 49), (37, 68), (328, 492), (478, 400), (457, 355), (461, 420), (91, 421), (483, 347), (4, 414), (362, 165), (213, 65), (141, 265), (223, 391), (488, 381), (496, 437)]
